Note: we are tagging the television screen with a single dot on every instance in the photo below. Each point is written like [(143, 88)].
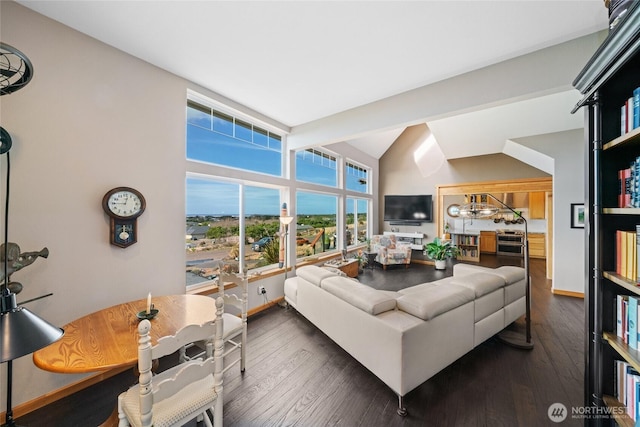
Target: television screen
[(407, 208)]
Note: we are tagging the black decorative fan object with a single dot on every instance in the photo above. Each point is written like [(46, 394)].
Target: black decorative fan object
[(15, 69)]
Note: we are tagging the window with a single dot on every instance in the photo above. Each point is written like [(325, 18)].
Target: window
[(357, 221), (213, 237), (356, 177), (261, 224), (233, 217), (316, 167), (219, 138), (212, 228), (315, 223)]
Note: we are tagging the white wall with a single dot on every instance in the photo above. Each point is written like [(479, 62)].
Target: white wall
[(567, 151), (91, 119)]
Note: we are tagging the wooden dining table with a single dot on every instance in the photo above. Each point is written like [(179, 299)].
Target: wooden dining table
[(108, 338)]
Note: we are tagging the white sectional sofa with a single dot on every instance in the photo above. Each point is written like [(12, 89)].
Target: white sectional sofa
[(408, 336)]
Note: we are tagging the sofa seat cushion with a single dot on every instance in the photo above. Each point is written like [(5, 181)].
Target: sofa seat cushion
[(358, 295), (480, 283), (432, 301), (314, 274)]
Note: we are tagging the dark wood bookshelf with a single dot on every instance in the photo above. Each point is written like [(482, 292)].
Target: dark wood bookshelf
[(607, 82)]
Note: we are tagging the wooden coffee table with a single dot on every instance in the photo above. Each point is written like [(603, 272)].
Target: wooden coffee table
[(348, 267)]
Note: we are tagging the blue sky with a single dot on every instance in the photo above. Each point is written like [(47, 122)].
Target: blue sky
[(213, 139)]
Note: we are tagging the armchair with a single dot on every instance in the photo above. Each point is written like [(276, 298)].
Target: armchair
[(390, 251)]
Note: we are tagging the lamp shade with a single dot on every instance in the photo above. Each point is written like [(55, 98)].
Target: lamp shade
[(286, 220), (22, 333)]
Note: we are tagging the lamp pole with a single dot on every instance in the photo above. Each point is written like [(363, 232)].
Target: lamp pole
[(505, 336), (480, 210)]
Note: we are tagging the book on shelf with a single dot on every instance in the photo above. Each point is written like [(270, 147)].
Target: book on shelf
[(625, 187), (626, 254), (629, 185), (627, 388), (636, 107), (630, 113), (632, 322)]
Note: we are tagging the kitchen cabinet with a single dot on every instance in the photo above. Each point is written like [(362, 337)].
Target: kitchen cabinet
[(488, 242), (537, 205), (537, 245)]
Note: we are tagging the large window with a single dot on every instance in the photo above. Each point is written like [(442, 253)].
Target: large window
[(317, 167), (219, 138), (357, 221), (212, 228), (213, 223), (356, 177), (316, 223), (232, 213)]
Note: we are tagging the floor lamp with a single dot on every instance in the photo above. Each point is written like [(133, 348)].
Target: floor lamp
[(21, 332), (479, 209), (286, 220)]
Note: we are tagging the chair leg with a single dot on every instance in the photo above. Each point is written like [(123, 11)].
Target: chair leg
[(122, 418)]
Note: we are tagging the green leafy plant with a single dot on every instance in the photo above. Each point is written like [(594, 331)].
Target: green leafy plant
[(271, 252), (440, 250)]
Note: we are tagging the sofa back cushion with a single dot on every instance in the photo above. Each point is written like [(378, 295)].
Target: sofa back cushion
[(432, 301), (480, 283), (358, 295), (314, 274)]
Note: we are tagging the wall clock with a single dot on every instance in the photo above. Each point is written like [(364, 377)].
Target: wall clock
[(453, 210), (123, 205)]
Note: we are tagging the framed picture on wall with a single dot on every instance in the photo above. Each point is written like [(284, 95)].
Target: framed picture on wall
[(577, 215)]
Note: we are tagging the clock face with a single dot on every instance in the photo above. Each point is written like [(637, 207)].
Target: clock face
[(124, 203)]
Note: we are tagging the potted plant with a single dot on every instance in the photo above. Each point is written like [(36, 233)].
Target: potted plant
[(439, 251), (446, 235)]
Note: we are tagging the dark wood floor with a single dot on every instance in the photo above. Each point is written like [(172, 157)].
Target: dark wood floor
[(297, 376)]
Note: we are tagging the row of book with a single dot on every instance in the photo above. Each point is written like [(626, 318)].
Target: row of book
[(628, 388), (630, 113), (627, 319), (627, 254), (467, 240), (629, 185)]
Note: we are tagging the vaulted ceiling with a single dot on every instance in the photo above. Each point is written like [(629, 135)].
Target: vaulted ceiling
[(299, 62)]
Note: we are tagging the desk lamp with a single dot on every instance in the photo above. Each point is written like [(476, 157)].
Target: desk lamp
[(477, 209), (21, 332)]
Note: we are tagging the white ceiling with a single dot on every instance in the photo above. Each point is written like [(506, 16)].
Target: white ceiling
[(300, 61)]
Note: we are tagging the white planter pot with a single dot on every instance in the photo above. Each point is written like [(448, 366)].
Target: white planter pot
[(441, 264)]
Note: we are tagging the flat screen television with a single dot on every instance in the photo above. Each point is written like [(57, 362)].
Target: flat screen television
[(408, 208)]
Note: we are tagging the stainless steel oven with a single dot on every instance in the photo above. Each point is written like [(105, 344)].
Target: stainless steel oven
[(510, 242)]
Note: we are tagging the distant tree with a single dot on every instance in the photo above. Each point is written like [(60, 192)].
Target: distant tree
[(217, 232)]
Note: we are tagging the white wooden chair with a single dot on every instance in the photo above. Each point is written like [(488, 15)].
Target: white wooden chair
[(235, 324), (182, 393)]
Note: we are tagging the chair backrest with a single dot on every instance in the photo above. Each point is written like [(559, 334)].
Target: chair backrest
[(242, 281), (185, 373)]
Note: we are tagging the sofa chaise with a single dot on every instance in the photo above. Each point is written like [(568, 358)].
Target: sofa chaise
[(406, 337)]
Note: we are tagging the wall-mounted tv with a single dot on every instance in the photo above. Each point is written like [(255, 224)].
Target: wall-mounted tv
[(408, 208)]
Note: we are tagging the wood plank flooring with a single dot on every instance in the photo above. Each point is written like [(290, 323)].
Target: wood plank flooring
[(297, 376)]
